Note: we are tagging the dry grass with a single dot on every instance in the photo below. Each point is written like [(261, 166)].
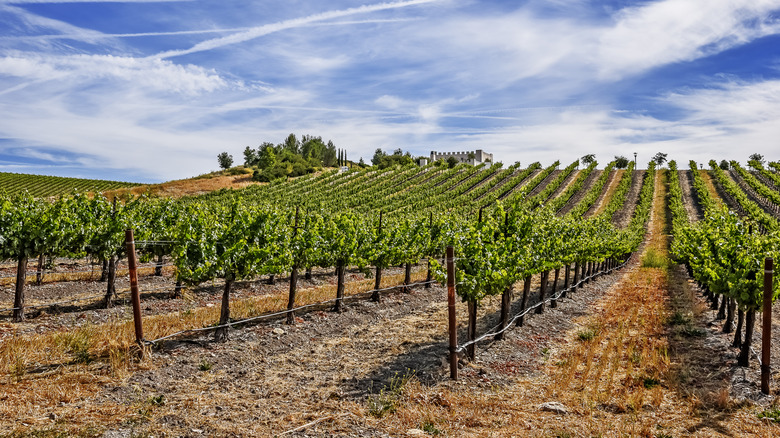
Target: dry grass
[(117, 338), (705, 175), (613, 185), (92, 275), (38, 373), (187, 187)]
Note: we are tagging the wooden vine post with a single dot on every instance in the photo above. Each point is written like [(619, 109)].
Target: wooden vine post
[(134, 294), (293, 276), (451, 311), (112, 261), (471, 350), (766, 338), (378, 276), (429, 276)]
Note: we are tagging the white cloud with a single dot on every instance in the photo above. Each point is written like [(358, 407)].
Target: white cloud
[(679, 30), (391, 102), (150, 74), (267, 29)]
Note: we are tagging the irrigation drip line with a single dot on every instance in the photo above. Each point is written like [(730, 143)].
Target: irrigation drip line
[(91, 297), (38, 306), (280, 313), (81, 271), (510, 323)]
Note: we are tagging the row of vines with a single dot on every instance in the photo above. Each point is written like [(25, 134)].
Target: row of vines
[(333, 221), (45, 186), (725, 252)]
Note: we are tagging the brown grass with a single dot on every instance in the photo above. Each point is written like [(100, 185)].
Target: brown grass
[(613, 185), (116, 339), (705, 175), (187, 187), (41, 374), (93, 275)]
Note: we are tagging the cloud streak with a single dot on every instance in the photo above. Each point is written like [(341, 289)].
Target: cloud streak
[(260, 31), (529, 82)]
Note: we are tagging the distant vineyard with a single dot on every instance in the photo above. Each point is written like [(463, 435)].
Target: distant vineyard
[(41, 186)]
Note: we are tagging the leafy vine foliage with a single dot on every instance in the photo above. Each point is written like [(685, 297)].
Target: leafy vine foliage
[(366, 217)]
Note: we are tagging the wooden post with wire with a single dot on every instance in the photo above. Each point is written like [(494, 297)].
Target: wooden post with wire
[(134, 294), (766, 336), (451, 310)]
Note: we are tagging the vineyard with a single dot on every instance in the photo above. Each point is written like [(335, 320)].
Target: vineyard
[(355, 264), (46, 186)]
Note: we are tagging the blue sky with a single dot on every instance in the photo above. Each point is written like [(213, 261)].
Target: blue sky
[(153, 90)]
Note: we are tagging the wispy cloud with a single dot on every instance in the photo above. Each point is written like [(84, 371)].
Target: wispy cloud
[(669, 31), (151, 74), (530, 81), (22, 2), (267, 29)]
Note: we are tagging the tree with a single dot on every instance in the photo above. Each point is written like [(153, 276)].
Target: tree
[(621, 162), (724, 165), (757, 157), (659, 159), (587, 159), (267, 157), (452, 162), (291, 144), (313, 147), (225, 160), (250, 156), (377, 158), (329, 155)]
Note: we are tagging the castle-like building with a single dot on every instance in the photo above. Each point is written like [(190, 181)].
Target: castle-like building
[(476, 157)]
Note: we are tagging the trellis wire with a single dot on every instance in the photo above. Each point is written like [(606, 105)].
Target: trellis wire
[(284, 312), (510, 324)]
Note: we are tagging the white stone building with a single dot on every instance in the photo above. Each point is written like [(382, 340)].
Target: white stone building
[(472, 157)]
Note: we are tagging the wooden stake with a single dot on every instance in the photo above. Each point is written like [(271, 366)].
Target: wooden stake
[(471, 350), (135, 296), (451, 312), (766, 335), (293, 277)]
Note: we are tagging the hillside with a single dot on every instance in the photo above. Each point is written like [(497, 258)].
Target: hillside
[(574, 263), (42, 186)]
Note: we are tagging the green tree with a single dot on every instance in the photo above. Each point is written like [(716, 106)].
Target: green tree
[(291, 144), (329, 155), (377, 158), (659, 159), (621, 162), (587, 159), (225, 160), (313, 147), (250, 157), (267, 157)]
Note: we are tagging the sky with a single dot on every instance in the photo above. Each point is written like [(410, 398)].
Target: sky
[(150, 91)]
